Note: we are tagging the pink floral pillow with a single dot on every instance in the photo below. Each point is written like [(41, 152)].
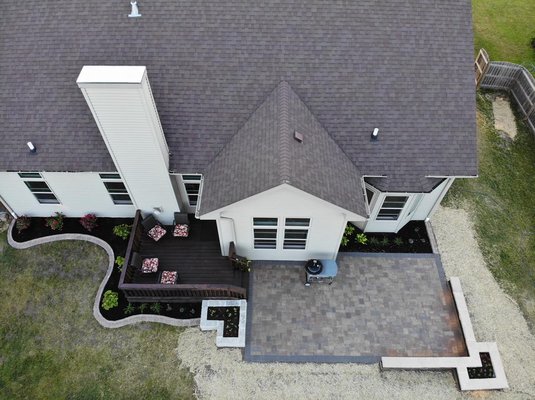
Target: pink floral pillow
[(169, 277), (181, 230), (149, 265), (157, 233)]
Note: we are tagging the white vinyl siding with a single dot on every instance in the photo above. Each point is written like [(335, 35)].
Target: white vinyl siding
[(292, 209), (128, 121), (80, 193)]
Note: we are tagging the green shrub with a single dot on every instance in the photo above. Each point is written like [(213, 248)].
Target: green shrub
[(398, 241), (119, 260), (23, 223), (385, 241), (143, 307), (156, 308), (110, 300), (361, 238), (129, 309), (374, 241), (349, 230), (55, 222), (122, 230)]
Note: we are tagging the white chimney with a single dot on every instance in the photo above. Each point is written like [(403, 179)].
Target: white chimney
[(121, 101)]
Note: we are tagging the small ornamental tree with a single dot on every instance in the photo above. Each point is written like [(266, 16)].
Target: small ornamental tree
[(55, 222), (89, 222)]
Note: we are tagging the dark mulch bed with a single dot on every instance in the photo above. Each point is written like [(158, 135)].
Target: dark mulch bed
[(486, 371), (171, 310), (104, 231), (412, 238), (230, 316)]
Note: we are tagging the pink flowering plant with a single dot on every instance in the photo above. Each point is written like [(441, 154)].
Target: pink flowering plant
[(55, 222), (89, 222)]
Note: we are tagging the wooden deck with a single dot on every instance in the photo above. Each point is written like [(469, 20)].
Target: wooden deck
[(197, 258), (203, 272)]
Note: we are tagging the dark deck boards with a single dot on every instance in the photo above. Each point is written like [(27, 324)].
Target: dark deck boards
[(197, 258)]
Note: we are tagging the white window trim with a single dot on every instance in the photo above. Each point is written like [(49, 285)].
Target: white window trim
[(287, 227), (39, 179), (186, 181), (376, 196), (401, 210), (276, 228), (115, 180), (280, 229)]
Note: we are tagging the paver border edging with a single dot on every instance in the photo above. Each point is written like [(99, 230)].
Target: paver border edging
[(134, 319), (460, 364)]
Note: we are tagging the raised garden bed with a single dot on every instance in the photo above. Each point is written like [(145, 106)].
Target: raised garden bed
[(486, 371), (230, 316), (412, 238)]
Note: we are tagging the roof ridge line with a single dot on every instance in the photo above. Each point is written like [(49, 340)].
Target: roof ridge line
[(284, 132)]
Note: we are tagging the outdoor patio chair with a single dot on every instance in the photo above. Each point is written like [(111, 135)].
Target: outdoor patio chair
[(181, 225), (152, 228), (135, 260)]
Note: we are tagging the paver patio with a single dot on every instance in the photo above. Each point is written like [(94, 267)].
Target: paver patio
[(379, 305)]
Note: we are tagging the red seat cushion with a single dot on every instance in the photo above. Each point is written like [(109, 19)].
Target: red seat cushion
[(149, 265), (169, 277), (157, 233), (181, 230)]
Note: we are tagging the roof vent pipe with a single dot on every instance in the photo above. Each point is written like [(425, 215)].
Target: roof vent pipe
[(32, 148), (135, 11), (375, 134)]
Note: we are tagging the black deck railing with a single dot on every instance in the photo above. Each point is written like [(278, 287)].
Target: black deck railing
[(201, 274)]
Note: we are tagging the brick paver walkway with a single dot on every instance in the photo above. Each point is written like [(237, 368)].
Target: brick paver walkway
[(378, 305)]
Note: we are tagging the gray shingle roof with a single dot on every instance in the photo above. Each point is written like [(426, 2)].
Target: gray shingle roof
[(264, 154), (405, 68)]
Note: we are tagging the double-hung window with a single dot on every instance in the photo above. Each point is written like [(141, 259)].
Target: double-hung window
[(265, 233), (116, 189), (296, 233), (292, 232), (192, 185), (391, 208), (39, 188)]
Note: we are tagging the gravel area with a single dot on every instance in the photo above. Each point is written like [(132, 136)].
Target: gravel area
[(221, 373), (504, 120)]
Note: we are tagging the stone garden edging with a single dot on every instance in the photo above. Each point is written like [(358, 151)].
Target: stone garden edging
[(218, 325), (134, 319)]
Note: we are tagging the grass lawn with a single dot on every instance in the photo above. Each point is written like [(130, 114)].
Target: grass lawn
[(502, 202), (51, 347), (505, 29)]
